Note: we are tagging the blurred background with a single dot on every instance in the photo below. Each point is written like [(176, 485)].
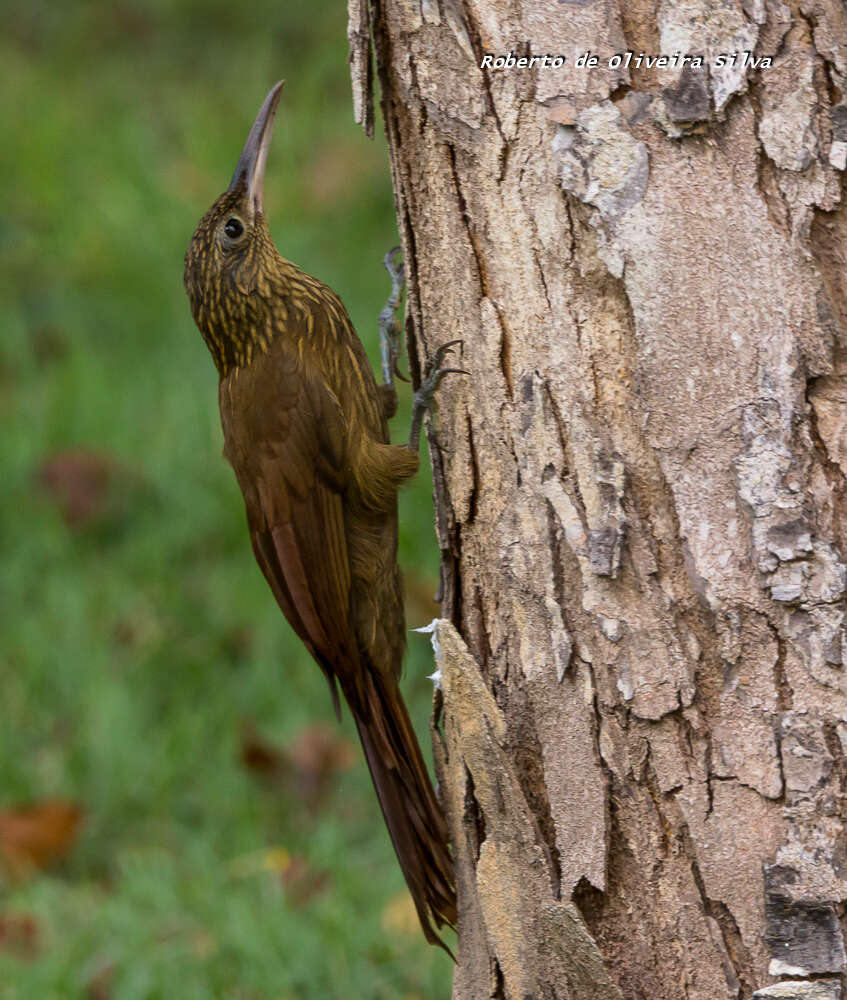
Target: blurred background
[(180, 816)]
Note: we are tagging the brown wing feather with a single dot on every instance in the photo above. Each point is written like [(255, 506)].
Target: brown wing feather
[(281, 433)]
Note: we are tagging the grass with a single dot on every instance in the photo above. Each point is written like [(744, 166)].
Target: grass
[(137, 642)]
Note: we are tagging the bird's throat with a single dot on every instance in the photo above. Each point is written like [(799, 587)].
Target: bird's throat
[(229, 352), (234, 331)]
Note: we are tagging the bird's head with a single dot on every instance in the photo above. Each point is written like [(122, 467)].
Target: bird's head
[(231, 256)]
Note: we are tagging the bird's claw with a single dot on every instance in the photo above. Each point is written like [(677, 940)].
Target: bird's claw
[(397, 372), (434, 373), (395, 271), (432, 377)]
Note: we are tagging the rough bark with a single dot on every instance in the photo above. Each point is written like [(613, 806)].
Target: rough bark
[(640, 493)]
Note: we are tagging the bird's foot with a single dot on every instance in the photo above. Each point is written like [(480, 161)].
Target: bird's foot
[(434, 372), (389, 328)]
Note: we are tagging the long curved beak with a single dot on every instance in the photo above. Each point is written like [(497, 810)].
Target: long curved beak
[(251, 166)]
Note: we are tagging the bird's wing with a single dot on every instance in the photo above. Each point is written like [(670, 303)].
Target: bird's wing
[(285, 436)]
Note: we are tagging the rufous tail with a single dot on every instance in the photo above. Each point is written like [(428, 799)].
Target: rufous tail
[(412, 813)]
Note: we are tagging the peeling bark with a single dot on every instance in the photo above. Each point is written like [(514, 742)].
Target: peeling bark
[(640, 493)]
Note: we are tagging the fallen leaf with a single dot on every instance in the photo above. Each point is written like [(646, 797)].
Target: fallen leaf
[(78, 481), (87, 487), (19, 934), (48, 344), (301, 881), (34, 837), (318, 752), (100, 985), (257, 755), (311, 758)]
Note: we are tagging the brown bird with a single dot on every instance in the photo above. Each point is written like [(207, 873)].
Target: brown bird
[(305, 429)]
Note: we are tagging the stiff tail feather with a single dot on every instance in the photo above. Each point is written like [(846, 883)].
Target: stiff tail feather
[(412, 814)]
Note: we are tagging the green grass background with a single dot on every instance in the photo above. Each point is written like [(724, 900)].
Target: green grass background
[(132, 649)]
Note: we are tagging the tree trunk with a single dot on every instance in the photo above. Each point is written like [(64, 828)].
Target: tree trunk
[(640, 491)]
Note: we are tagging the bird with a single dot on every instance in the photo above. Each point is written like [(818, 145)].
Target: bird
[(305, 428)]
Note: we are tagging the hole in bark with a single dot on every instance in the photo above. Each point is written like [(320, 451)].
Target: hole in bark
[(477, 633), (589, 900), (619, 92), (498, 985), (437, 726), (473, 816), (472, 501), (451, 606)]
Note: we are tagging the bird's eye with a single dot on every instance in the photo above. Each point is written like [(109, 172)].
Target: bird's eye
[(234, 227)]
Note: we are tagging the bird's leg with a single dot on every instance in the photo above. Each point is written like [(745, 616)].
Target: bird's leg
[(389, 328), (390, 350), (424, 399)]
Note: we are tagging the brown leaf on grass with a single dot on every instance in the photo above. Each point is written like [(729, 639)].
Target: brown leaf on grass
[(302, 882), (48, 344), (19, 934), (257, 755), (310, 760), (34, 837), (87, 487), (318, 752), (100, 985)]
